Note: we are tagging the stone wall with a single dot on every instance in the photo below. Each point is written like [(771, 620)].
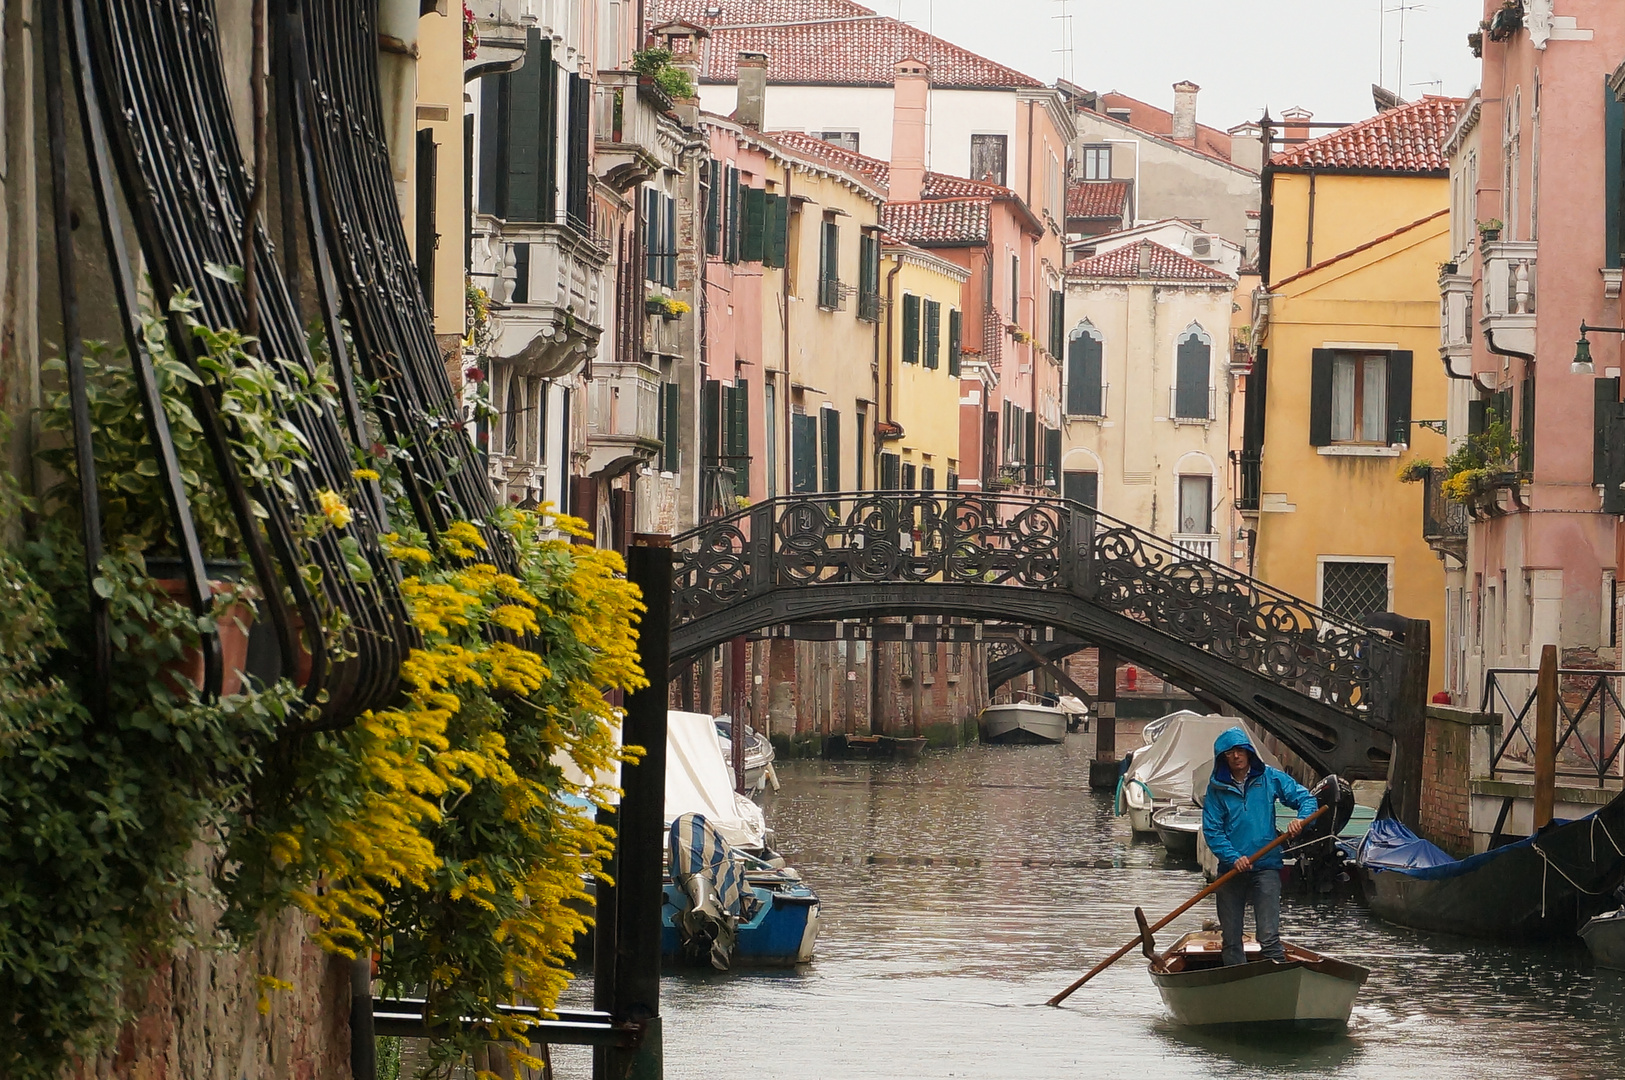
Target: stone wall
[(197, 1016), (1446, 775)]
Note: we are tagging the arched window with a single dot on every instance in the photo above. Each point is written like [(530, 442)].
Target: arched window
[(1085, 372), (513, 412), (1193, 388)]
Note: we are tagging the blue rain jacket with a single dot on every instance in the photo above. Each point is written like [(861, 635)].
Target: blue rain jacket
[(1238, 819)]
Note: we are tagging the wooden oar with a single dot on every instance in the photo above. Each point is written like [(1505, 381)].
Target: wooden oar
[(1176, 913)]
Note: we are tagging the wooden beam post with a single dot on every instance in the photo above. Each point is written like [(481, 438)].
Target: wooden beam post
[(1410, 724), (1103, 770), (1546, 736)]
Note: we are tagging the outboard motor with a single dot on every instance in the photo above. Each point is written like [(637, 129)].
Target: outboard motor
[(1320, 863), (704, 868)]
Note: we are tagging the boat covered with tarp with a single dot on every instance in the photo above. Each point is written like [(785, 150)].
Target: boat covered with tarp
[(1543, 886)]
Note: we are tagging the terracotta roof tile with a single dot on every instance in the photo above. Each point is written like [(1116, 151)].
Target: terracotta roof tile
[(829, 41), (1408, 139), (1124, 262), (938, 221), (937, 185), (1097, 199)]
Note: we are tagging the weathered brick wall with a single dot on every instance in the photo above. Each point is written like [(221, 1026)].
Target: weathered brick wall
[(197, 1016), (1446, 769)]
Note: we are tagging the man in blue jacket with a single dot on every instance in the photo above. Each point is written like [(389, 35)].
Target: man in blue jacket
[(1238, 817)]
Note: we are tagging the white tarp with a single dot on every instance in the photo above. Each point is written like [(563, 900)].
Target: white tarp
[(699, 781), (1176, 767)]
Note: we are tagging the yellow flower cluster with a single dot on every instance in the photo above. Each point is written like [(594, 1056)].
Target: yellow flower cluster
[(484, 718), (337, 514)]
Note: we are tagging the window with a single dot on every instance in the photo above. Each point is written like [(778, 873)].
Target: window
[(829, 270), (952, 483), (730, 216), (538, 420), (1085, 390), (955, 342), (1193, 399), (890, 472), (832, 449), (911, 328), (803, 454), (987, 157), (1052, 456), (908, 477), (869, 278), (713, 207), (1057, 324), (1526, 424), (578, 178), (660, 238), (513, 417), (1015, 289), (1360, 398), (1081, 487), (1354, 589), (928, 478), (1097, 162), (933, 334), (1196, 505), (519, 138), (752, 224), (846, 140), (669, 426), (725, 434), (858, 462), (770, 430)]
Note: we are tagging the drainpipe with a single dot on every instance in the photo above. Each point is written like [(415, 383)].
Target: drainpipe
[(1309, 242), (784, 292)]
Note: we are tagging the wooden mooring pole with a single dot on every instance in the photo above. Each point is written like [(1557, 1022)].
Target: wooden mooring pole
[(634, 992), (1546, 736), (1103, 770)]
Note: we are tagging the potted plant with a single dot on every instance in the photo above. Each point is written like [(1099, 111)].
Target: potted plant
[(656, 71), (666, 307), (1475, 42), (1507, 21), (1490, 230), (1446, 269), (1482, 465), (1414, 471)]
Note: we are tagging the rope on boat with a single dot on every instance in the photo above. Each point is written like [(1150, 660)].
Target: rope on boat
[(1595, 821)]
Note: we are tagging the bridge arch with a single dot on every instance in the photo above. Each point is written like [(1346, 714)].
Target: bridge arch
[(1324, 686)]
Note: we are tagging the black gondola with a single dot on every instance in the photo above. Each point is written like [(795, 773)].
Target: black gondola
[(1544, 886)]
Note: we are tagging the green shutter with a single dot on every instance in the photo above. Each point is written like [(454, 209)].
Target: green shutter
[(670, 440), (1057, 323), (832, 449), (1613, 127), (890, 472), (954, 343), (1399, 397), (803, 454), (933, 333), (713, 209), (1526, 425), (739, 434), (1606, 393), (753, 231), (1320, 398), (1475, 417), (730, 237), (711, 429), (776, 219), (911, 328)]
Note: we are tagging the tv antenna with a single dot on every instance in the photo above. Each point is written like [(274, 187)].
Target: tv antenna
[(1401, 9), (1064, 40)]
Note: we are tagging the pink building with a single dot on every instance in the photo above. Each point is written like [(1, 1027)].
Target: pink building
[(1535, 213)]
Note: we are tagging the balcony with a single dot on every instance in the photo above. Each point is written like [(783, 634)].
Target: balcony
[(1508, 319), (1444, 522), (635, 136), (546, 285), (1249, 479), (1456, 322), (1174, 402), (623, 416), (500, 25), (663, 336), (1198, 545)]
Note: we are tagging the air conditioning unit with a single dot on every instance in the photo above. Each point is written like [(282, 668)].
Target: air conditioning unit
[(1202, 246)]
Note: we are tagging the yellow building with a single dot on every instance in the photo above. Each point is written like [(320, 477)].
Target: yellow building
[(434, 228), (919, 394), (1356, 227)]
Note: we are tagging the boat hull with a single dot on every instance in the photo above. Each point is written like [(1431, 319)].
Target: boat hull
[(1178, 832), (1515, 895), (1020, 724), (1605, 937), (782, 933), (1296, 995)]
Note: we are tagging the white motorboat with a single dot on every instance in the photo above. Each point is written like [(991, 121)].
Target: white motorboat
[(759, 755), (1022, 722), (1309, 992), (1178, 828), (1604, 935)]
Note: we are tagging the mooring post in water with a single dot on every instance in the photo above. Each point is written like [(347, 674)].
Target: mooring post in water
[(635, 995), (736, 708), (1409, 722), (1546, 736), (1103, 770)]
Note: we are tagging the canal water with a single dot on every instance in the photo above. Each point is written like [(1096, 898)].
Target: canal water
[(963, 890)]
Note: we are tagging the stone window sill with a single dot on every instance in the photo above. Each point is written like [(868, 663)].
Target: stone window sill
[(1353, 450)]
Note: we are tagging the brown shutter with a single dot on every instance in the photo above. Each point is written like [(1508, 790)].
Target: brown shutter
[(1399, 397), (1320, 398)]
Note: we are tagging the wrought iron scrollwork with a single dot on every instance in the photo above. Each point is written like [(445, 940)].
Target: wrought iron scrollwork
[(1044, 545)]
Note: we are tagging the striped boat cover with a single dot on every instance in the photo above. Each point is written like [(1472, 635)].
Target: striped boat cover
[(704, 866)]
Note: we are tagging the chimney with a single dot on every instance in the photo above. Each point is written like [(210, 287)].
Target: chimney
[(1185, 112), (751, 107), (1145, 258), (1296, 129), (911, 87)]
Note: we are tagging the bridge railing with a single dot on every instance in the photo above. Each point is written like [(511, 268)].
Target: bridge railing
[(1590, 722), (999, 540)]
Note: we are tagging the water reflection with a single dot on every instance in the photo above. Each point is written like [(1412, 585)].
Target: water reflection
[(962, 890)]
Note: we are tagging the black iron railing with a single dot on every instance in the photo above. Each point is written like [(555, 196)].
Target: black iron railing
[(1590, 732), (1249, 478), (1443, 519)]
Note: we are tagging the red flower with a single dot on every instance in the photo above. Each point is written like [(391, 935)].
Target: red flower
[(474, 374)]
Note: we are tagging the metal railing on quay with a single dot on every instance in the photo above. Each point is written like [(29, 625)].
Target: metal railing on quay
[(1588, 701)]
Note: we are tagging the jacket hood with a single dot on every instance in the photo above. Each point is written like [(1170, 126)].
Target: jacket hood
[(1229, 740)]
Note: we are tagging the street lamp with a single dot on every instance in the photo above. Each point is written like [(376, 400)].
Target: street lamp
[(1582, 349)]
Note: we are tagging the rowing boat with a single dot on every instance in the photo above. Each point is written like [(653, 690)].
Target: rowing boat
[(1309, 992)]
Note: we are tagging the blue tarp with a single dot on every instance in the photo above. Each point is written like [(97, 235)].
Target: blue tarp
[(1389, 845)]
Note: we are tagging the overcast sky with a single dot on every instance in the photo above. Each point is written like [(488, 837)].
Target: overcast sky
[(1245, 54)]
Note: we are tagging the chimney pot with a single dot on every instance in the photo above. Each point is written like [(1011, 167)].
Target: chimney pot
[(751, 108), (911, 88), (1185, 111)]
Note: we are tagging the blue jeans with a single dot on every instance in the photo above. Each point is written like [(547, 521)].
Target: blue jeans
[(1261, 889)]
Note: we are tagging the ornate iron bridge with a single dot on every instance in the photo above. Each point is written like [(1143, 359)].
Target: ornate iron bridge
[(1325, 686)]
